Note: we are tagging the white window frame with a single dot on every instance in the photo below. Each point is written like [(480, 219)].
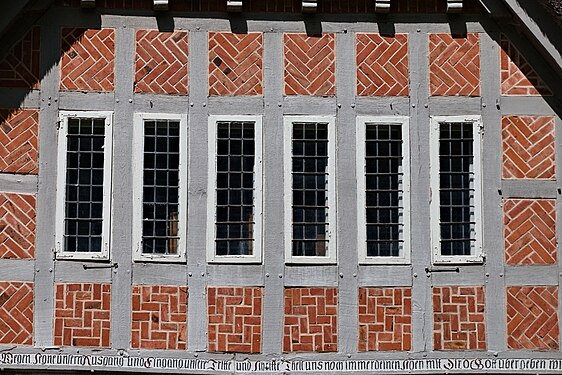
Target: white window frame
[(478, 254), (404, 254), (331, 258), (138, 168), (256, 257), (64, 116)]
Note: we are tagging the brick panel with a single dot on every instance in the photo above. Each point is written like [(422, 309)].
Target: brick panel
[(18, 140), (17, 226), (530, 231), (87, 60), (311, 320), (517, 76), (454, 65), (532, 318), (459, 318), (16, 313), (528, 147), (20, 66), (82, 314), (382, 65), (310, 67), (385, 319), (161, 62), (235, 319), (159, 317), (235, 64)]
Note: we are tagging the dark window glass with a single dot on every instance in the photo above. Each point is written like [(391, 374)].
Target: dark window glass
[(456, 188), (84, 185), (235, 188), (310, 189), (160, 187), (384, 176)]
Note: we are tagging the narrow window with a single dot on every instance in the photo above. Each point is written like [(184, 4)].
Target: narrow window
[(458, 189), (237, 189), (311, 190), (159, 183), (383, 190), (84, 173)]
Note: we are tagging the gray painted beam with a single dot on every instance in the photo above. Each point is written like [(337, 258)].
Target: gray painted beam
[(121, 224), (312, 106), (454, 105), (528, 188), (197, 193), (235, 105), (531, 275), (422, 322), (383, 106), (44, 239), (273, 202), (380, 275), (157, 103), (235, 274), (526, 105), (346, 185), (311, 276), (18, 183), (104, 101), (159, 274), (19, 98), (74, 272), (17, 270), (492, 214)]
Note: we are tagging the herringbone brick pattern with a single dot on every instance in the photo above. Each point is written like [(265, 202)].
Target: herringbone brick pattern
[(385, 319), (159, 317), (235, 64), (161, 62), (528, 147), (311, 320), (20, 66), (18, 140), (529, 228), (310, 67), (382, 65), (517, 76), (532, 318), (235, 319), (17, 226), (454, 65), (87, 60), (16, 313), (82, 314), (459, 318)]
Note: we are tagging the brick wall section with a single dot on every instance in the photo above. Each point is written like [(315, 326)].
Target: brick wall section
[(87, 59), (528, 147), (532, 318), (235, 319), (20, 66), (82, 314), (16, 313), (517, 76), (382, 65), (454, 65), (310, 67), (235, 64), (161, 65), (459, 318), (159, 317), (385, 319), (311, 320), (17, 226), (530, 231), (18, 140)]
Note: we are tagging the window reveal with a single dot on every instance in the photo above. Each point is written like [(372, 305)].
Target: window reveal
[(235, 161), (309, 189), (160, 208), (83, 218)]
